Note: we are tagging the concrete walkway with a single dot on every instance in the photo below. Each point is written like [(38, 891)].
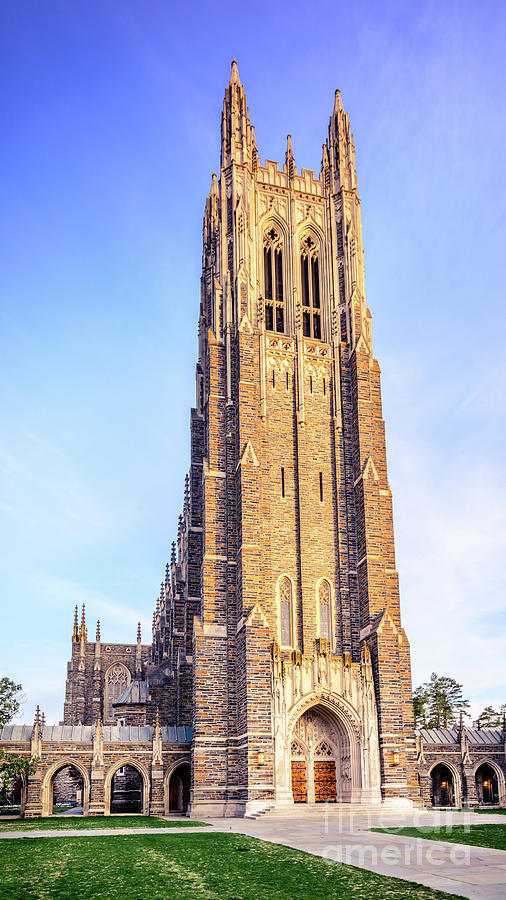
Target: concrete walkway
[(475, 872)]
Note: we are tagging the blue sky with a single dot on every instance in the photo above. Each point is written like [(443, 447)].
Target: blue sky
[(111, 114)]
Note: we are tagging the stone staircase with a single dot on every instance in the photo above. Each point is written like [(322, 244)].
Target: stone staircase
[(326, 810)]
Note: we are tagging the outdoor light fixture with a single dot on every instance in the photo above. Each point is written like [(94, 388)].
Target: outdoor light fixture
[(396, 758), (260, 757)]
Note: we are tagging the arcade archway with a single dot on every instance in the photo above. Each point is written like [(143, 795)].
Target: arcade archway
[(177, 795), (445, 790), (487, 788)]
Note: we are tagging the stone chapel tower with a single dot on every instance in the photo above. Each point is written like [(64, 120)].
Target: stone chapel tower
[(301, 667)]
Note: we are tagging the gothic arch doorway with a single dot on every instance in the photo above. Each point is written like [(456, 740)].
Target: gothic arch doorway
[(66, 783), (321, 763), (177, 794), (126, 788), (443, 786), (487, 787)]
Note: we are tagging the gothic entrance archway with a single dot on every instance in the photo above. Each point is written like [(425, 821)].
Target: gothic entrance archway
[(179, 789), (126, 790), (66, 784), (321, 769), (487, 790), (443, 788)]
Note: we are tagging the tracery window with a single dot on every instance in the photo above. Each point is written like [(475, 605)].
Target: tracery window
[(286, 612), (310, 282), (117, 679), (273, 282), (324, 609)]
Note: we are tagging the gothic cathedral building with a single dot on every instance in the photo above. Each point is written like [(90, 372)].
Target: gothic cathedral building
[(277, 637)]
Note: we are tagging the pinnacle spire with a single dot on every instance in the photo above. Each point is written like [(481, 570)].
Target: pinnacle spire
[(139, 638), (235, 123), (338, 103), (83, 634), (289, 158), (234, 73), (75, 633), (97, 635)]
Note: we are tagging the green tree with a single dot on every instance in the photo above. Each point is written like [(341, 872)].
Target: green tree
[(11, 699), (438, 702), (420, 704), (489, 718), (11, 765)]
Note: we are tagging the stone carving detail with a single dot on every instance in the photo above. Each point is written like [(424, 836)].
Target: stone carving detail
[(297, 750), (324, 749)]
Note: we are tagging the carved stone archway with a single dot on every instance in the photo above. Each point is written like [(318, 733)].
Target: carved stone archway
[(499, 774), (135, 764), (47, 784), (324, 735)]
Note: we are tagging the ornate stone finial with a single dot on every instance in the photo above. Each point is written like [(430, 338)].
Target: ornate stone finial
[(173, 553), (214, 185), (98, 743), (138, 632), (254, 148), (157, 740), (83, 634), (162, 593), (97, 635), (167, 573), (158, 604), (234, 74), (75, 633), (289, 159), (338, 103), (42, 720), (36, 721)]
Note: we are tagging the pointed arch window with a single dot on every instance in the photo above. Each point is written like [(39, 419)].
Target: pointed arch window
[(324, 609), (273, 282), (310, 283), (286, 613), (117, 679)]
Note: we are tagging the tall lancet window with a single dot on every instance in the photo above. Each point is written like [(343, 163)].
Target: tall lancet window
[(273, 282), (324, 609), (310, 284), (286, 613)]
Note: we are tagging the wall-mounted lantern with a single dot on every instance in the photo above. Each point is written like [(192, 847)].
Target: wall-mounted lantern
[(260, 757), (396, 758)]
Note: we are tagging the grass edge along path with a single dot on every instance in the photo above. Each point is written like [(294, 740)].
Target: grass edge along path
[(72, 823), (212, 866), (492, 836)]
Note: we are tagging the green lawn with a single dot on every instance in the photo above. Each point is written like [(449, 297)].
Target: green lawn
[(209, 866), (476, 835), (491, 812), (70, 822)]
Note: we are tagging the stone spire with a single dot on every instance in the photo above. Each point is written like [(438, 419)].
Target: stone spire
[(235, 123), (289, 158), (97, 635), (341, 147), (36, 741), (75, 633), (157, 741), (173, 554), (83, 634)]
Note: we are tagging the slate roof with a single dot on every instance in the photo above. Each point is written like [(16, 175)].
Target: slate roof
[(475, 737), (113, 734), (136, 692)]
